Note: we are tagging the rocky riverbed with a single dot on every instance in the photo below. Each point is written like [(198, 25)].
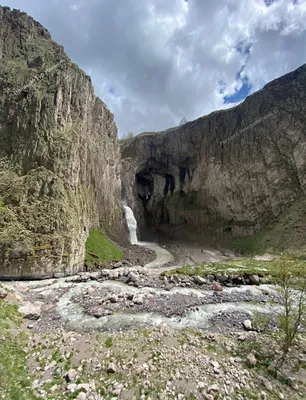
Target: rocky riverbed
[(128, 332)]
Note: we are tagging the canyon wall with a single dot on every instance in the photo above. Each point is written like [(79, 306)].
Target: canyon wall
[(59, 156), (233, 170)]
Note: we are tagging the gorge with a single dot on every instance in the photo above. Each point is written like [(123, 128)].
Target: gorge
[(148, 268)]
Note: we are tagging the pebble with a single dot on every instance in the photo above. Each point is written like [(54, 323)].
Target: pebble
[(81, 396), (71, 375), (248, 325)]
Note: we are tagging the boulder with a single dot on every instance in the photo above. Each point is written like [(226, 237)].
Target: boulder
[(30, 311)]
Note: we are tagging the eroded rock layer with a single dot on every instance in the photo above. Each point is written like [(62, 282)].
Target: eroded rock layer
[(232, 170), (59, 156)]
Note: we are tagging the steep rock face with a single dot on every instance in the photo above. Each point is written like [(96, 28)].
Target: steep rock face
[(59, 155), (232, 170)]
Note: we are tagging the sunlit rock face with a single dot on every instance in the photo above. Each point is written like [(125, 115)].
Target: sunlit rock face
[(233, 170), (59, 155)]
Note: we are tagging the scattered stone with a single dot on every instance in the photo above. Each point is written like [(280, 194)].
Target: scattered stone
[(248, 325), (111, 368), (267, 384), (263, 396), (81, 396), (213, 388), (72, 387), (138, 299), (71, 375), (264, 257), (217, 287), (3, 293), (199, 280), (254, 279), (133, 277), (30, 311), (215, 364), (118, 264), (251, 360), (211, 278), (91, 290)]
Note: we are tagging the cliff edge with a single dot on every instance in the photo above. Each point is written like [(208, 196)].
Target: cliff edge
[(59, 156), (234, 170)]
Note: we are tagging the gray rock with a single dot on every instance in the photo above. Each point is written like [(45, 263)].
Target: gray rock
[(138, 299), (30, 311), (251, 360), (111, 368), (211, 278), (217, 287), (221, 278), (199, 280), (95, 275), (213, 388), (133, 277), (267, 384), (254, 279), (118, 264), (3, 293)]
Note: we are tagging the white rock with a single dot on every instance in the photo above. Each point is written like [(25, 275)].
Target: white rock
[(81, 396), (71, 387), (71, 375), (248, 325)]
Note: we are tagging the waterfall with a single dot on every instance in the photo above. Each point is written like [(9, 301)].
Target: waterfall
[(132, 223)]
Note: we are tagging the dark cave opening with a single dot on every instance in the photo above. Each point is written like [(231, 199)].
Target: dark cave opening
[(144, 187), (170, 184)]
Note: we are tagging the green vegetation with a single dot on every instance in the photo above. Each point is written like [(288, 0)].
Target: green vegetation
[(286, 234), (108, 342), (99, 251), (245, 267), (292, 289), (15, 383)]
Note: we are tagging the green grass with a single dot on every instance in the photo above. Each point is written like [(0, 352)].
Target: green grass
[(109, 342), (286, 234), (99, 251), (245, 267), (15, 383)]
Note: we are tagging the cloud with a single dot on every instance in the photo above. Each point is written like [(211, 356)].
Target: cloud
[(154, 61)]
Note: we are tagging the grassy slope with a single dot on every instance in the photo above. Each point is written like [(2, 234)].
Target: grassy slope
[(245, 267), (286, 234), (15, 383), (99, 251)]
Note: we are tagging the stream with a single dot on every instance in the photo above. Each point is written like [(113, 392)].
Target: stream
[(132, 306)]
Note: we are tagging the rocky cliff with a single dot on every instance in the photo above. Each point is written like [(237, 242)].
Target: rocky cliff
[(233, 170), (59, 156)]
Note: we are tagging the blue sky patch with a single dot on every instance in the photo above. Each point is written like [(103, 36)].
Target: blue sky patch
[(240, 94)]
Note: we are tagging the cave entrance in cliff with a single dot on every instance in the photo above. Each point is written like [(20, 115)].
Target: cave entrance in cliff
[(144, 187)]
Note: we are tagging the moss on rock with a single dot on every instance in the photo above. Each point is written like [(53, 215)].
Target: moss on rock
[(99, 251)]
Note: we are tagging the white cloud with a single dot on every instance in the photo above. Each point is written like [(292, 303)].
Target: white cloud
[(155, 61)]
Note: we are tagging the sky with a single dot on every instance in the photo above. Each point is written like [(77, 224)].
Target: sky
[(154, 62)]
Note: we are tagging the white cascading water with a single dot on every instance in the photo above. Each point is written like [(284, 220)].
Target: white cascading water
[(131, 223), (163, 256)]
